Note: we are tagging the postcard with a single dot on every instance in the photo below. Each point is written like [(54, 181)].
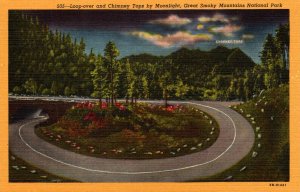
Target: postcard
[(149, 96)]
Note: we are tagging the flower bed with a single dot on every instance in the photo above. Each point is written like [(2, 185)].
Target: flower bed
[(138, 131)]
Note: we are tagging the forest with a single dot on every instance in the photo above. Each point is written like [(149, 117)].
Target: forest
[(46, 62)]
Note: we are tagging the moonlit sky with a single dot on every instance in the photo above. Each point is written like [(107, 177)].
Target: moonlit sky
[(162, 32)]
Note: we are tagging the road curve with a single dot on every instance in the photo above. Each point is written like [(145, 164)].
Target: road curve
[(235, 141)]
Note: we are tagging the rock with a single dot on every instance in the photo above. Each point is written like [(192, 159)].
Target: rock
[(243, 168), (254, 154), (73, 144), (259, 136), (228, 178), (193, 148), (15, 167), (199, 145), (56, 180), (258, 145), (119, 151), (33, 171)]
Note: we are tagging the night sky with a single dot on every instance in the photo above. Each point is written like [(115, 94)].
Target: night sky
[(162, 32)]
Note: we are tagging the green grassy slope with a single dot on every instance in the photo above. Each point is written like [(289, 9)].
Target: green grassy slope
[(269, 157)]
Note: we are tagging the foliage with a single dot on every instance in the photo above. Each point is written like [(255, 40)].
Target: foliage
[(52, 63), (146, 128)]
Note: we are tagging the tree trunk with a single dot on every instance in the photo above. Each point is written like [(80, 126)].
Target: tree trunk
[(100, 102), (166, 98)]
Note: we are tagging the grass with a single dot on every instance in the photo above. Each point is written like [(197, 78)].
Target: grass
[(21, 171), (269, 116), (150, 133)]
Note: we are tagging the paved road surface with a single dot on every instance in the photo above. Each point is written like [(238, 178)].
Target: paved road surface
[(234, 142)]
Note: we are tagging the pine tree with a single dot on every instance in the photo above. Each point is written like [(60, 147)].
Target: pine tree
[(100, 80), (112, 66)]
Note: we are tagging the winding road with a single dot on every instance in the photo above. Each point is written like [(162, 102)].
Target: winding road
[(235, 141)]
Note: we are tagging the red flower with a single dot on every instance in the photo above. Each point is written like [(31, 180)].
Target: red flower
[(103, 105), (120, 106), (171, 108), (86, 105), (90, 116)]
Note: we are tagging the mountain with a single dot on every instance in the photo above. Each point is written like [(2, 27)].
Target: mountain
[(220, 60)]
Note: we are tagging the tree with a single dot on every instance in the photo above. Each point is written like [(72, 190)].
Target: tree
[(165, 80), (31, 86), (113, 69), (128, 81), (99, 79), (283, 40), (270, 58), (54, 88), (180, 88), (248, 84)]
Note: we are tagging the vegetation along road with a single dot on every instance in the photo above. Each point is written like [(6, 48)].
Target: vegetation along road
[(234, 142)]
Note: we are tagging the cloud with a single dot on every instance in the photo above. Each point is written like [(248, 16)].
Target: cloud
[(226, 30), (171, 40), (248, 36), (215, 18), (172, 20)]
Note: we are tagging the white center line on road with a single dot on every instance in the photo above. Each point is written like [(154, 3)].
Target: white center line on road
[(142, 172)]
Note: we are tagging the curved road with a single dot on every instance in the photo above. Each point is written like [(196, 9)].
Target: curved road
[(235, 141)]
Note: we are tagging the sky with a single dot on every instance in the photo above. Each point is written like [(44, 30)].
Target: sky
[(163, 32)]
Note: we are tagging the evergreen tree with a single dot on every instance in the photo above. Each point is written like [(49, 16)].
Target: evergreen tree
[(100, 80), (112, 66)]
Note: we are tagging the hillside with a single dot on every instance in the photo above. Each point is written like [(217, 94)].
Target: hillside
[(269, 159)]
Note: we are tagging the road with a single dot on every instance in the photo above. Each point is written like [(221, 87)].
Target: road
[(235, 141)]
